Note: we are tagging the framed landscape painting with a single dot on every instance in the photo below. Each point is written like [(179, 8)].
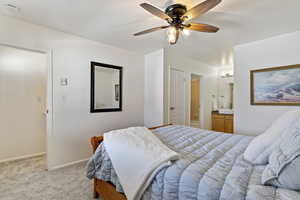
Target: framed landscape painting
[(276, 86)]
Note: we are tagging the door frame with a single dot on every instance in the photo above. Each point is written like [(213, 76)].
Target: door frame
[(49, 92)]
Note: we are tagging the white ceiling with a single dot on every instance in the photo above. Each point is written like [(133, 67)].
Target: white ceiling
[(114, 21)]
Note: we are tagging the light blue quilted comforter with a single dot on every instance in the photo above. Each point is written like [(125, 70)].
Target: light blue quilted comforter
[(211, 167)]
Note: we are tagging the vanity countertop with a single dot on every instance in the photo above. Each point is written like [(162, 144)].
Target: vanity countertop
[(218, 113)]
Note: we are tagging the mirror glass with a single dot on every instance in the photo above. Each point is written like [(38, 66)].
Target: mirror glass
[(225, 92), (106, 88)]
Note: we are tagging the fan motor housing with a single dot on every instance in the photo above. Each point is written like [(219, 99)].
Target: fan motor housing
[(176, 10)]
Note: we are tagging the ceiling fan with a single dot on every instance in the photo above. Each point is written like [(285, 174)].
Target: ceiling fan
[(177, 16)]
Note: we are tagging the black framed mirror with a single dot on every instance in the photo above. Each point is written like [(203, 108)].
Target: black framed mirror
[(106, 88)]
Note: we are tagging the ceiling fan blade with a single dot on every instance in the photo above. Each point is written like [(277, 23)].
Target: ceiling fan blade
[(150, 30), (200, 9), (202, 28), (155, 11)]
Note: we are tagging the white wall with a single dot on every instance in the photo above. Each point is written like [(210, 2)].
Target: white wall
[(154, 90), (276, 51), (73, 124), (157, 92), (208, 85), (23, 78)]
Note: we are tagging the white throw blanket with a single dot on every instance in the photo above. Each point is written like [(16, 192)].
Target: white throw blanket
[(136, 155)]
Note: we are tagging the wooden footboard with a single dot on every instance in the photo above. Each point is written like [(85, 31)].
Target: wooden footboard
[(106, 190)]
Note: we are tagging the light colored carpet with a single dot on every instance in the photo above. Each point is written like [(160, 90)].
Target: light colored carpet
[(28, 180)]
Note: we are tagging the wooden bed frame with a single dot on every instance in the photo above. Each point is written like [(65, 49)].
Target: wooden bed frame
[(106, 190)]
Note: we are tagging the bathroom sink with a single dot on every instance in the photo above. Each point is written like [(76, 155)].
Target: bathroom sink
[(226, 111)]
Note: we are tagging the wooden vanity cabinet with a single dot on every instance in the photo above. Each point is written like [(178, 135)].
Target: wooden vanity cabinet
[(222, 122)]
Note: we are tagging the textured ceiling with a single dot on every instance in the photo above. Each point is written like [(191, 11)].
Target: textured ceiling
[(114, 21)]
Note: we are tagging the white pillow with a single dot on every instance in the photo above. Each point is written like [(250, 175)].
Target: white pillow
[(262, 146), (283, 169)]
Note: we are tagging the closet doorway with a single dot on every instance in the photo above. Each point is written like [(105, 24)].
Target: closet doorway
[(195, 101), (177, 97), (23, 105)]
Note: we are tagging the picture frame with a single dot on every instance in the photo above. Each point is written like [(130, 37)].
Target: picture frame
[(278, 86)]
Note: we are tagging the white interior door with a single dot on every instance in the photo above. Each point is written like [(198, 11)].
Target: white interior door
[(177, 97), (23, 83)]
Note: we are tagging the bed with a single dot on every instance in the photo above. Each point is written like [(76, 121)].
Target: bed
[(211, 166)]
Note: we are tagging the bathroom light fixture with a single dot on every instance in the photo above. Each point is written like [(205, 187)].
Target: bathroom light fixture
[(227, 75)]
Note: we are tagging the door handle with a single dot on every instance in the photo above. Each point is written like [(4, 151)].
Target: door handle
[(172, 108)]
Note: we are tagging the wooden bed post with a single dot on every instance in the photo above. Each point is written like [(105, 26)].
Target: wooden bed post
[(95, 195), (95, 141)]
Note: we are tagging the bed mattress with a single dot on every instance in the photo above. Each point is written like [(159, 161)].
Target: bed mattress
[(211, 167)]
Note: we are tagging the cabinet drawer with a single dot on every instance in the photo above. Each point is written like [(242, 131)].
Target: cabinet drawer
[(228, 117), (218, 116)]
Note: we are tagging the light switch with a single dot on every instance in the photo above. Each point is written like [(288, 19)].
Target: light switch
[(64, 81)]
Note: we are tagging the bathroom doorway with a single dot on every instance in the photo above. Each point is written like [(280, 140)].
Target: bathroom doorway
[(195, 101)]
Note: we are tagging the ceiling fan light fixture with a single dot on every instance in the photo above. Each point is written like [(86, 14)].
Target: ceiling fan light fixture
[(186, 32), (172, 35), (176, 15)]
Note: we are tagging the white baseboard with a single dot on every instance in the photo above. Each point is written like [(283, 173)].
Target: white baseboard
[(41, 154), (68, 164), (22, 157)]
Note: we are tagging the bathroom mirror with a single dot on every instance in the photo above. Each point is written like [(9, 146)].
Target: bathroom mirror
[(106, 88), (225, 92)]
